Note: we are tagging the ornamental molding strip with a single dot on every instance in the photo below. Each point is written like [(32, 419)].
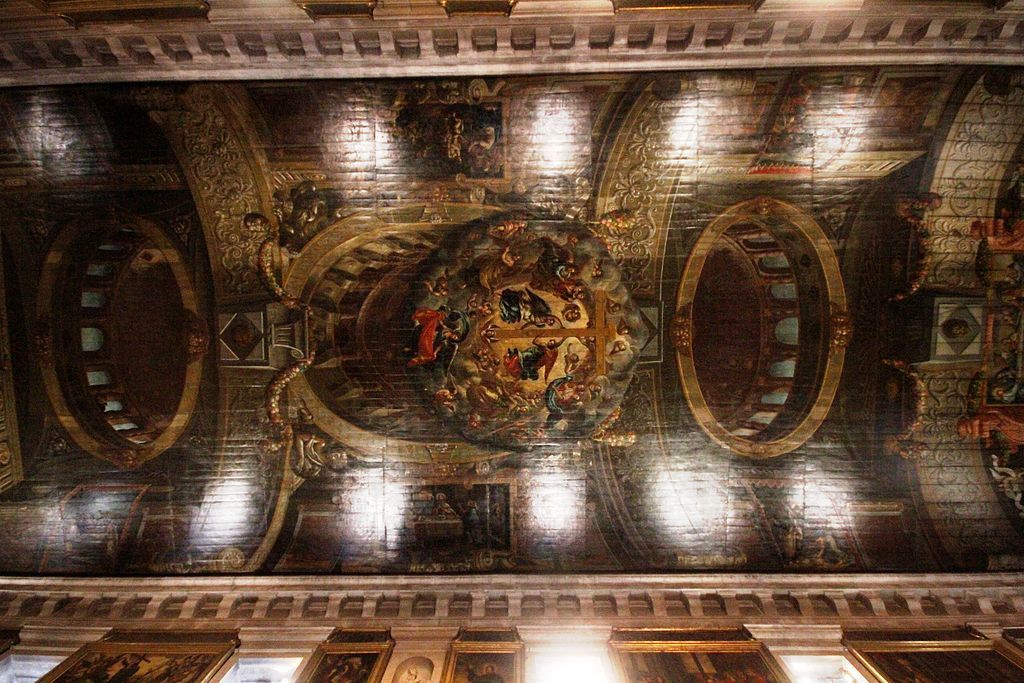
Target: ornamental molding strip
[(284, 39)]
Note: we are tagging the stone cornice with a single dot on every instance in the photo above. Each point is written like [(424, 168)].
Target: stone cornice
[(533, 40), (637, 601)]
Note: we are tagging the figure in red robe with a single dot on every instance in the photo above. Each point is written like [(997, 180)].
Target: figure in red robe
[(1007, 421), (438, 333)]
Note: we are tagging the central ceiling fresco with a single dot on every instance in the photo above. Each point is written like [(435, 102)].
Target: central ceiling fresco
[(735, 321)]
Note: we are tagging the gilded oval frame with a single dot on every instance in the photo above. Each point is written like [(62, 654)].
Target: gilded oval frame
[(53, 266), (835, 336)]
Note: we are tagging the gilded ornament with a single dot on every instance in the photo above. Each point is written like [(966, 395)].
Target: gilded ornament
[(610, 433), (301, 213), (680, 332), (197, 339), (43, 342), (230, 559), (224, 180), (914, 212), (842, 329), (634, 186), (257, 222), (905, 443)]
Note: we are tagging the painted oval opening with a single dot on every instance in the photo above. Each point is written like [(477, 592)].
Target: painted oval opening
[(761, 316), (121, 373)]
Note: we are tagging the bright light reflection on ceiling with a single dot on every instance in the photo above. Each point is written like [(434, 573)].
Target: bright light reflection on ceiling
[(555, 120), (686, 504), (266, 669), (822, 669), (374, 512), (684, 131), (569, 666), (815, 502), (557, 503), (224, 514), (19, 667), (838, 130)]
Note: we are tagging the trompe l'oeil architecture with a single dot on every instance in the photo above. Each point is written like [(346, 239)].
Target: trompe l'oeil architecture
[(511, 342)]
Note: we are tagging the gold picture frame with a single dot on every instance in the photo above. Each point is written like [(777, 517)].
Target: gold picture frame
[(219, 648), (869, 649), (77, 12), (333, 9), (1015, 636), (349, 644), (500, 649), (699, 642), (501, 8)]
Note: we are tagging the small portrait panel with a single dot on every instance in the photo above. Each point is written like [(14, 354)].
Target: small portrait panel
[(414, 670)]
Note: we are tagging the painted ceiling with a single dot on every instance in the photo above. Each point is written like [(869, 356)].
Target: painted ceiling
[(733, 321)]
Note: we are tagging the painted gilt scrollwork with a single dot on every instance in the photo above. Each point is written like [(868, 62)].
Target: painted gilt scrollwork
[(986, 131), (631, 197), (226, 181)]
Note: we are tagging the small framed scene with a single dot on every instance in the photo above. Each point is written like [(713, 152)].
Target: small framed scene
[(693, 656), (194, 656), (946, 656), (484, 656), (349, 657)]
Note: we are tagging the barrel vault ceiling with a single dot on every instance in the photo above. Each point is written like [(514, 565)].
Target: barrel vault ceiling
[(736, 320)]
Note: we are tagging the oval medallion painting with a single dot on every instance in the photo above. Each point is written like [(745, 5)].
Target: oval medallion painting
[(524, 333)]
